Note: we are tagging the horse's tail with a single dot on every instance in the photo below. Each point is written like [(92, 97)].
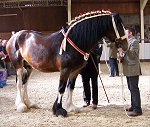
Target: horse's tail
[(13, 49), (14, 44)]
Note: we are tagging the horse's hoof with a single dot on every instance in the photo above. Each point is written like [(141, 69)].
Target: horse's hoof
[(35, 106), (72, 108), (22, 108), (77, 110), (61, 112)]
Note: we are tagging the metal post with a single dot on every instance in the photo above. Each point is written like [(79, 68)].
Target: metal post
[(69, 10), (142, 6)]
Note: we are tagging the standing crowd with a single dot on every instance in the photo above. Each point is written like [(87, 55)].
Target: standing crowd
[(6, 68)]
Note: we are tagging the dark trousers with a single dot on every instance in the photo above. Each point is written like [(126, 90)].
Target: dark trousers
[(135, 93), (87, 89), (113, 67)]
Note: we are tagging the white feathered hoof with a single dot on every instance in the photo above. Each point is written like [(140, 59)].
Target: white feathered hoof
[(35, 106), (76, 110), (22, 108), (72, 108)]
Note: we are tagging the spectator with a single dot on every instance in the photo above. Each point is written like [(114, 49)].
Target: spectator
[(2, 55), (7, 60), (113, 59)]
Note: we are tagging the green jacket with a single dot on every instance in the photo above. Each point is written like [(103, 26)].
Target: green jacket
[(112, 50), (131, 62)]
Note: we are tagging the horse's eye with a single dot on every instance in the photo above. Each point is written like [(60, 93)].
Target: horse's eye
[(117, 40)]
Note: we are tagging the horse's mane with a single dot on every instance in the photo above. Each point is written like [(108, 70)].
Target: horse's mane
[(89, 27), (88, 15)]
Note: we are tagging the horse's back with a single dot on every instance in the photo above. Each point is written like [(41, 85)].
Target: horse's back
[(38, 49)]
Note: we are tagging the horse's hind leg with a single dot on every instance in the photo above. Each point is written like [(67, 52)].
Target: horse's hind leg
[(22, 100), (26, 74), (21, 107)]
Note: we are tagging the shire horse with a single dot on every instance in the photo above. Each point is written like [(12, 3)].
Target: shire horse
[(66, 50)]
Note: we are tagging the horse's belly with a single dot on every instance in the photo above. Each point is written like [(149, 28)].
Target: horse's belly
[(44, 67)]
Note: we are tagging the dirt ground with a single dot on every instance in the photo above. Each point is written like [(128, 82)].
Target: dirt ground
[(42, 90)]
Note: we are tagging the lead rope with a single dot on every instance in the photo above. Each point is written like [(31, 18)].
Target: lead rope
[(123, 93), (100, 78)]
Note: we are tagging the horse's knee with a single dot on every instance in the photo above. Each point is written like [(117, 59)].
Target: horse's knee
[(25, 75), (27, 69)]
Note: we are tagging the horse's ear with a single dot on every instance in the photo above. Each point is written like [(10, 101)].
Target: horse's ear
[(116, 15)]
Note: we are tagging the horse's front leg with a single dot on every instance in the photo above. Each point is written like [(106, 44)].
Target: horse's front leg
[(68, 105), (57, 107)]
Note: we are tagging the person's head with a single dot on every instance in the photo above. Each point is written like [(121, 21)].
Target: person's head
[(131, 32), (4, 42)]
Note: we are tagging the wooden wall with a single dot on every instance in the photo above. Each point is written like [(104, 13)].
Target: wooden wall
[(53, 18), (122, 6), (39, 19)]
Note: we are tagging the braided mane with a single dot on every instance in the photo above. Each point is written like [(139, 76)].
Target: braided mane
[(88, 28), (87, 15)]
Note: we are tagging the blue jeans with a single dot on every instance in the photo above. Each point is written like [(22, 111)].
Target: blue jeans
[(135, 93), (113, 67)]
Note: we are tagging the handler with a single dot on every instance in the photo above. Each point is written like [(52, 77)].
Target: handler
[(132, 70)]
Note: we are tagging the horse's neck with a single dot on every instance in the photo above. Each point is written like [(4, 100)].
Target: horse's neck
[(86, 37)]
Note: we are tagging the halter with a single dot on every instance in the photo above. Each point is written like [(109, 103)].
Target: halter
[(99, 13), (116, 31)]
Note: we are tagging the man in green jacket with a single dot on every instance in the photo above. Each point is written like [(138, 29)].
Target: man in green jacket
[(132, 70)]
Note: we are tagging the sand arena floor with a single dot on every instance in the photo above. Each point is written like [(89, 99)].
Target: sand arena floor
[(42, 90)]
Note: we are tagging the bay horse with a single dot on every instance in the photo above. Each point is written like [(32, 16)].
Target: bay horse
[(66, 50)]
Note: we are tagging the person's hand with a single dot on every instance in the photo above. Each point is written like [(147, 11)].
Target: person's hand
[(1, 54), (120, 50), (120, 55)]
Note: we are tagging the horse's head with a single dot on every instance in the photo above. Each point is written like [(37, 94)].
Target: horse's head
[(119, 35)]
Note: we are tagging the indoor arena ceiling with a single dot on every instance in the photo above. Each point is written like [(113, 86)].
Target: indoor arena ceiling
[(46, 3), (31, 3)]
